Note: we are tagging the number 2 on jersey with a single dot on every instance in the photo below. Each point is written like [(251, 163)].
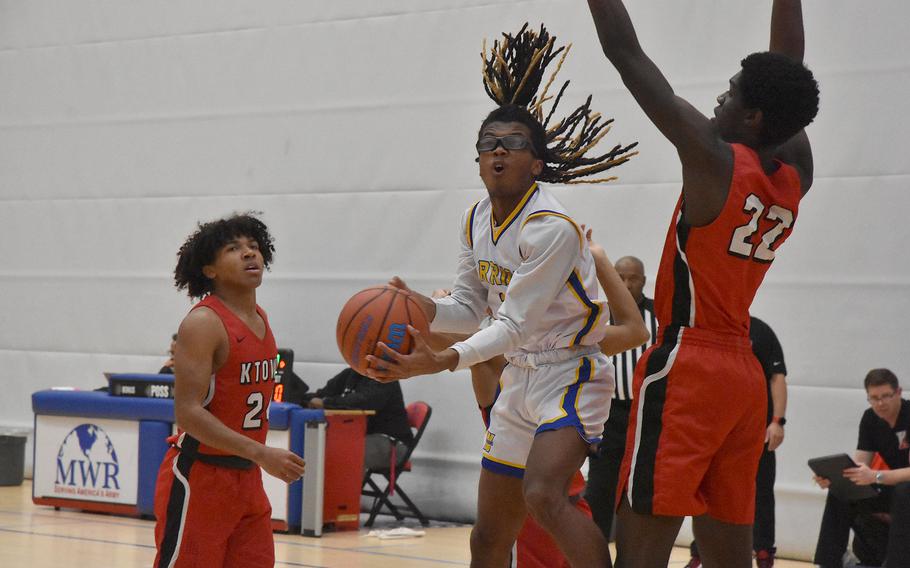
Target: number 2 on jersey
[(741, 244), (253, 419)]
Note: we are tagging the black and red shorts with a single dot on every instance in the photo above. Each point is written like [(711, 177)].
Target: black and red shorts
[(211, 515), (696, 428)]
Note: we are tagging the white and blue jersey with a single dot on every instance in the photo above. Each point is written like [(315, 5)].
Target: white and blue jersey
[(535, 275)]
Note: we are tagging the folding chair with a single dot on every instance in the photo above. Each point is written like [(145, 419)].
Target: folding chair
[(418, 415)]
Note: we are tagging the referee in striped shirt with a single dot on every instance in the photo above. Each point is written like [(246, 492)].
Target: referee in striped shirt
[(603, 468)]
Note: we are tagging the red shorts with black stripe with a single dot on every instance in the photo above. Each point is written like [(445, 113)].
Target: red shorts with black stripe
[(211, 515), (696, 429), (535, 548)]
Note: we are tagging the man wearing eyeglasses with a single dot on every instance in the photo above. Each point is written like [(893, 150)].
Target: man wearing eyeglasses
[(881, 525)]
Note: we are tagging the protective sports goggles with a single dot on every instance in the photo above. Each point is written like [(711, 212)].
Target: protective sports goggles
[(510, 142)]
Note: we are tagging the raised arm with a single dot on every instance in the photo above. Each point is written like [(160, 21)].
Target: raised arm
[(787, 34), (628, 330), (788, 38), (707, 161), (681, 123)]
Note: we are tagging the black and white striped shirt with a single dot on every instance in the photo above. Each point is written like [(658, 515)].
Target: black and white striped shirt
[(625, 362)]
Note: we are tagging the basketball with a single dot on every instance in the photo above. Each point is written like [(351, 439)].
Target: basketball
[(378, 313)]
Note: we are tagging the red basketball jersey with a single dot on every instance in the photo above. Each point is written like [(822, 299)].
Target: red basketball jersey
[(240, 391), (709, 275)]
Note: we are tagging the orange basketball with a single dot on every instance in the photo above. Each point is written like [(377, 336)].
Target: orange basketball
[(379, 313)]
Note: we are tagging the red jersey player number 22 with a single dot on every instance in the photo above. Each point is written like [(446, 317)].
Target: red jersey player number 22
[(743, 243)]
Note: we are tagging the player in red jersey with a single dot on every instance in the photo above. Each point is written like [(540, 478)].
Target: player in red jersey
[(696, 431), (210, 505)]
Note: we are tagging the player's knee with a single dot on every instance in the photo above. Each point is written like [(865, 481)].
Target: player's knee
[(484, 539), (543, 499)]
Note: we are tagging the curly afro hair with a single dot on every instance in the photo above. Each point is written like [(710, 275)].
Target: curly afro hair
[(783, 89), (200, 249)]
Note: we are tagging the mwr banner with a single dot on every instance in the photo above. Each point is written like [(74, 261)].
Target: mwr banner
[(86, 459)]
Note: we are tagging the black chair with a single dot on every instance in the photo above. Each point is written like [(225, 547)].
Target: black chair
[(418, 416)]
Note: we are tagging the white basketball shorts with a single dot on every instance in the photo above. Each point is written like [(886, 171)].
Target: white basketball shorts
[(542, 391)]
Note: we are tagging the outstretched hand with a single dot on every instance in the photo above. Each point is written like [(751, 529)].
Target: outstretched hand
[(422, 360), (597, 251), (397, 282)]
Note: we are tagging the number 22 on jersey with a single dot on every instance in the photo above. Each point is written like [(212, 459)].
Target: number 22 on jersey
[(742, 242)]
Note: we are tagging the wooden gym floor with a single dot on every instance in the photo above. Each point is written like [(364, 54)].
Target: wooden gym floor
[(40, 537)]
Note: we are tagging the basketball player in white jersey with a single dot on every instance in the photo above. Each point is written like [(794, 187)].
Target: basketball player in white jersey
[(527, 261)]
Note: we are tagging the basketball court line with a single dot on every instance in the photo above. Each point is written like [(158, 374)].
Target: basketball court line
[(358, 550), (78, 538), (50, 534)]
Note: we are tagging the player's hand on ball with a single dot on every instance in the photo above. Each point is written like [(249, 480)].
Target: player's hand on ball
[(422, 360), (283, 464), (397, 282), (426, 304)]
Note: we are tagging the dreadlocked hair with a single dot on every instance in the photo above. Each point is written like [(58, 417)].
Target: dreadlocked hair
[(512, 74), (201, 247)]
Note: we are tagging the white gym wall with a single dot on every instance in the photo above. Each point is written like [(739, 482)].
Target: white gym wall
[(351, 125)]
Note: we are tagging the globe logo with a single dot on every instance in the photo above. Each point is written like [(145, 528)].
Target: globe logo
[(87, 463)]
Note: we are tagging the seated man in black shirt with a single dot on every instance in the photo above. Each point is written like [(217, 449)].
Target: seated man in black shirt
[(881, 525), (352, 391)]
